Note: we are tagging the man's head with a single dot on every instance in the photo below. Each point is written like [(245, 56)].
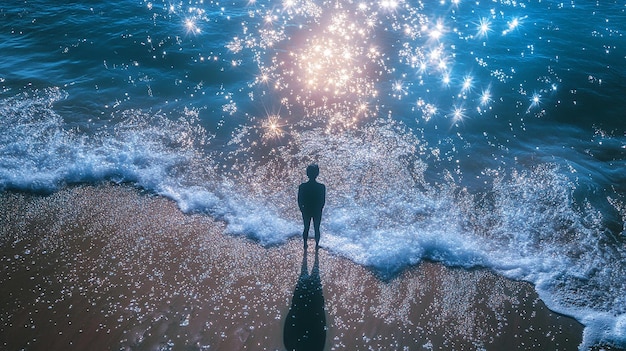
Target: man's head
[(312, 171)]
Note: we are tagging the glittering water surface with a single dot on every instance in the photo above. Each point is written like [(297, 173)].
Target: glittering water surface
[(475, 133)]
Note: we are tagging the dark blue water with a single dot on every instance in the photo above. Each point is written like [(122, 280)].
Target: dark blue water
[(487, 133)]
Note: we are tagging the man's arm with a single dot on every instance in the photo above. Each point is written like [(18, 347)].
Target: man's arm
[(300, 203)]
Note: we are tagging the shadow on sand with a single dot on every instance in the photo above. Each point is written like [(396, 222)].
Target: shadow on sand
[(305, 326)]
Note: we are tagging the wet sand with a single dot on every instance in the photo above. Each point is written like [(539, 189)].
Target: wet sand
[(112, 268)]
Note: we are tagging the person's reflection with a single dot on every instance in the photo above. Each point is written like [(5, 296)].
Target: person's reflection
[(305, 326)]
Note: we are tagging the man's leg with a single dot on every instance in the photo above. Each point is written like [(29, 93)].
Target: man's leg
[(307, 224), (317, 220)]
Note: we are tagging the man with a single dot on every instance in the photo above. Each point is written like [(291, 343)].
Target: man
[(311, 200)]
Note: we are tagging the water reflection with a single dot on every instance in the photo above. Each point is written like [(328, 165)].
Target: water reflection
[(305, 326)]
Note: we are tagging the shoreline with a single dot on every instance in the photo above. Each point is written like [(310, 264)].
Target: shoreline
[(111, 267)]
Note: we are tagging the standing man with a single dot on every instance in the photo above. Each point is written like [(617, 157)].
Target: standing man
[(311, 200)]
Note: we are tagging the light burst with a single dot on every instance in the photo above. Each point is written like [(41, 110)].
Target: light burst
[(272, 127), (484, 27), (468, 82), (437, 31), (535, 100), (485, 97), (458, 114), (445, 79), (190, 25)]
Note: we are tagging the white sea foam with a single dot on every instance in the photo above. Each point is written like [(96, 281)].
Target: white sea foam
[(381, 212)]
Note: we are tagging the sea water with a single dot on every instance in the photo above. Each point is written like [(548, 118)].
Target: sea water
[(472, 133)]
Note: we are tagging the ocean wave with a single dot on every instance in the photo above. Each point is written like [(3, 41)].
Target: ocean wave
[(381, 210)]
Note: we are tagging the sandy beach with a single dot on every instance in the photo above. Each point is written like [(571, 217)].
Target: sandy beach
[(110, 267)]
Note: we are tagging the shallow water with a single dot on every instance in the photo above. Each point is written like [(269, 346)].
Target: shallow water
[(483, 134)]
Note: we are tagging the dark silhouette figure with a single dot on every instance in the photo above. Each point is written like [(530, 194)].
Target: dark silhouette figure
[(311, 200), (305, 326)]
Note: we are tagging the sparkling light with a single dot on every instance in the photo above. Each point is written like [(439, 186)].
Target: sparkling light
[(422, 67), (389, 4), (446, 79), (190, 24), (397, 86), (437, 31), (484, 27), (428, 110), (485, 97), (467, 83), (512, 25), (458, 114), (337, 61), (272, 127), (535, 100)]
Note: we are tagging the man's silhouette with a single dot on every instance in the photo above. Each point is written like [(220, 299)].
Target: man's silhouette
[(311, 200)]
